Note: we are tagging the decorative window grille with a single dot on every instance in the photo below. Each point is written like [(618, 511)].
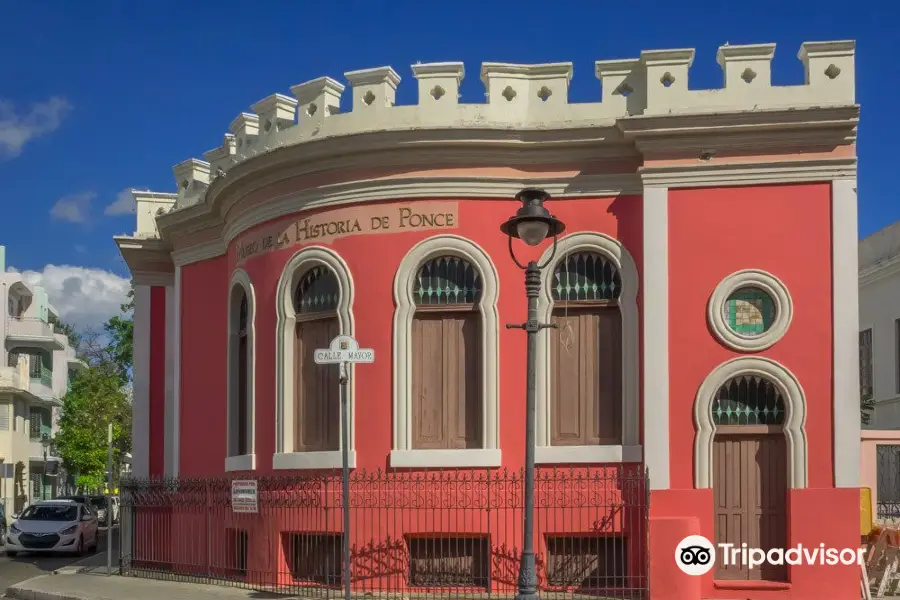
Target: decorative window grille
[(317, 291), (748, 400), (447, 280), (585, 276)]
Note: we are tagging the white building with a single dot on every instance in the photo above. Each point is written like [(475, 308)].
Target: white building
[(35, 371), (879, 325)]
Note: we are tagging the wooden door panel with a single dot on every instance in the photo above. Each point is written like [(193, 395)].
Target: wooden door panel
[(750, 494), (429, 410), (316, 387)]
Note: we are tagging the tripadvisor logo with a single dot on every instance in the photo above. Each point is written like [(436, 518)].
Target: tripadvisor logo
[(696, 555)]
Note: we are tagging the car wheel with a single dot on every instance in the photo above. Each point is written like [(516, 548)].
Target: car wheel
[(11, 553)]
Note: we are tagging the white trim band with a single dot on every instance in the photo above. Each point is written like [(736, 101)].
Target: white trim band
[(240, 279)]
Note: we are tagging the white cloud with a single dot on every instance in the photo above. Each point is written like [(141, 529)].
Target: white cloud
[(16, 129), (123, 204), (84, 297), (74, 207)]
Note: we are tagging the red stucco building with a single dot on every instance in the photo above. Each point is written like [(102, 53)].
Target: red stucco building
[(703, 374)]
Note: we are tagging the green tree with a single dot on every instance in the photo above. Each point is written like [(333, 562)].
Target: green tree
[(68, 330), (120, 331), (95, 399), (866, 408)]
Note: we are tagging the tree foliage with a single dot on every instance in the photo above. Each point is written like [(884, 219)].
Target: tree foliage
[(95, 400), (98, 397), (866, 408), (68, 330)]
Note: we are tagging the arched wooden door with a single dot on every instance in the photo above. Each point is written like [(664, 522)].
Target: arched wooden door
[(749, 473)]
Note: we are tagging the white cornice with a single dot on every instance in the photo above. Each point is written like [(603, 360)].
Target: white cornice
[(197, 253), (877, 272), (708, 174)]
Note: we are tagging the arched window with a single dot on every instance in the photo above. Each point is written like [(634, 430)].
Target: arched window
[(586, 352), (316, 297), (241, 368), (447, 392)]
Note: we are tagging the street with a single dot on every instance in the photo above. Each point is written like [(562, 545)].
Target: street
[(26, 566)]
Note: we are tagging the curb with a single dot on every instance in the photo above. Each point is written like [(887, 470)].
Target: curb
[(21, 591)]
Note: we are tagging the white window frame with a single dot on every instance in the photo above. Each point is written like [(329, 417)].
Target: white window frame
[(630, 450), (241, 462), (403, 454), (794, 418), (294, 270)]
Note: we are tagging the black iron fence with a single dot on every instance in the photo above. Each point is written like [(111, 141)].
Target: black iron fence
[(887, 481), (412, 534)]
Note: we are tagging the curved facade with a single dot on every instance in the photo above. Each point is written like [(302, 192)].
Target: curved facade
[(383, 223)]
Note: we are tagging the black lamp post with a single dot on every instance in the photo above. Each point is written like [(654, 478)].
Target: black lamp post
[(532, 224)]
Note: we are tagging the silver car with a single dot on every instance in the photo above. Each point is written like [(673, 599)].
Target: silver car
[(53, 526)]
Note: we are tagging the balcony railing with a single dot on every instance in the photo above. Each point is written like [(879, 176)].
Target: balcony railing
[(30, 328), (45, 377)]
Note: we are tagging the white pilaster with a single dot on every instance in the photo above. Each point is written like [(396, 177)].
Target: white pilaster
[(173, 375), (845, 327), (140, 429), (655, 312)]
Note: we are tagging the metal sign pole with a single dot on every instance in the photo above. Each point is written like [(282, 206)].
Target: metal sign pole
[(343, 351), (109, 482), (345, 479)]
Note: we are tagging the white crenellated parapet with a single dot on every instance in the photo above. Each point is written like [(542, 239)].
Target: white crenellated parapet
[(525, 96), (148, 206), (192, 177)]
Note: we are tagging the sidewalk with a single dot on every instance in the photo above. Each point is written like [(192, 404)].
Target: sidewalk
[(69, 585)]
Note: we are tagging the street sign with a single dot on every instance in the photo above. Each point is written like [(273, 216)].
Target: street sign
[(244, 496), (344, 349)]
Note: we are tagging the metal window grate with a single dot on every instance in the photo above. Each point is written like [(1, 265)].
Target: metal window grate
[(586, 276), (748, 400), (317, 291), (447, 280)]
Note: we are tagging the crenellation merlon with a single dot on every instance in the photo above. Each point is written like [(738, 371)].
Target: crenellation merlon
[(148, 206), (830, 66), (439, 83), (522, 89), (623, 85), (318, 99), (245, 129), (373, 88), (749, 65), (275, 113), (223, 156), (192, 178)]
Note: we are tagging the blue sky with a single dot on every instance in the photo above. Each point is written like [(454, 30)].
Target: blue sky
[(98, 97)]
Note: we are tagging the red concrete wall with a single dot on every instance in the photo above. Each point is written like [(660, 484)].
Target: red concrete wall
[(373, 261), (785, 230), (204, 308), (157, 380)]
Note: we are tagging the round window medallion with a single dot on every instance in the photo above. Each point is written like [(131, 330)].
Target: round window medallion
[(750, 310)]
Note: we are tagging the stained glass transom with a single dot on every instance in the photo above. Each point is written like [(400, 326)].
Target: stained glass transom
[(447, 280), (586, 276), (749, 311), (317, 291), (748, 400)]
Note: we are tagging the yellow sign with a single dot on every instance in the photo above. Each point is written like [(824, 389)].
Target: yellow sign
[(865, 511), (357, 220)]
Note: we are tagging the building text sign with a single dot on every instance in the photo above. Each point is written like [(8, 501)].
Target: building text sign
[(244, 496), (358, 220), (344, 349)]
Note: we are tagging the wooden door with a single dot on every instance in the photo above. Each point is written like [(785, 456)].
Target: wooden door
[(316, 389), (750, 495)]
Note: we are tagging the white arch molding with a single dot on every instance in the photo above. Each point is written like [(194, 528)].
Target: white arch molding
[(296, 267), (794, 418), (240, 281), (403, 454), (630, 450)]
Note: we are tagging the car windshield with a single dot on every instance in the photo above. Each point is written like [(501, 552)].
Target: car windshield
[(98, 502), (50, 512)]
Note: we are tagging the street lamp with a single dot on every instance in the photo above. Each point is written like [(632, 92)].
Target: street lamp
[(45, 442), (532, 224)]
